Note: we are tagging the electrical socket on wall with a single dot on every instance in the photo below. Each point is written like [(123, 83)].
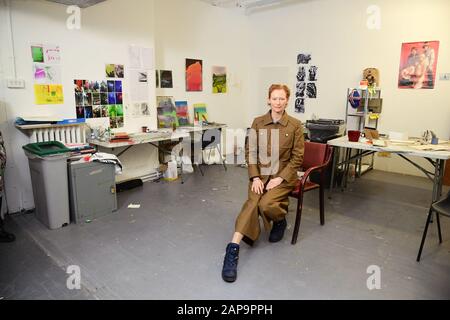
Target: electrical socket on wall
[(15, 83), (444, 76)]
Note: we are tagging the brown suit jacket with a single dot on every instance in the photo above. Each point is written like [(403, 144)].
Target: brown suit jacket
[(275, 149)]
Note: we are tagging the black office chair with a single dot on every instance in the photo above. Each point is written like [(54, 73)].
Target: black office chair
[(211, 139), (440, 207)]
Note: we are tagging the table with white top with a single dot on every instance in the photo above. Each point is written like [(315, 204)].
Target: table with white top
[(404, 150), (153, 137)]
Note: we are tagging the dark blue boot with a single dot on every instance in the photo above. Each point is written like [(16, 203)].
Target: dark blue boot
[(230, 262), (277, 232)]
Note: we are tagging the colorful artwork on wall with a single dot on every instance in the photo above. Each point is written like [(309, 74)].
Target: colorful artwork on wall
[(99, 99), (167, 115), (200, 114), (194, 75), (418, 62), (114, 70), (182, 112), (48, 94), (219, 79)]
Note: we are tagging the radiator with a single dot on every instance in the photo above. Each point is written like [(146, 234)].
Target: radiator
[(64, 134)]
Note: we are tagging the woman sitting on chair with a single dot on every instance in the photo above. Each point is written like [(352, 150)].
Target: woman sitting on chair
[(274, 154)]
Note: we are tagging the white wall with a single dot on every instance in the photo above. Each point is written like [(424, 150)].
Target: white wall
[(335, 33), (107, 30), (219, 37)]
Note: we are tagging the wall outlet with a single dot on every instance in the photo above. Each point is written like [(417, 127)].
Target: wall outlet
[(15, 83), (444, 76)]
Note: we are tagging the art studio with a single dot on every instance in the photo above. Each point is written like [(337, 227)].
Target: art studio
[(218, 150)]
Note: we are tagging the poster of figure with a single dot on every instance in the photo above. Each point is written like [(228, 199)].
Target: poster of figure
[(194, 75), (418, 62)]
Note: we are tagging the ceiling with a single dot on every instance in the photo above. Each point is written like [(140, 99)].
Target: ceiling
[(248, 6), (79, 3)]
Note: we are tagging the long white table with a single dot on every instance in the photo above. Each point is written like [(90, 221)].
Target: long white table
[(436, 158), (156, 136)]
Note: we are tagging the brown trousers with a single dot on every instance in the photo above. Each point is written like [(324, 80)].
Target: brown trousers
[(272, 205)]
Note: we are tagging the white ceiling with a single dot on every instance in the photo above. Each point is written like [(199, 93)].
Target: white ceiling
[(79, 3), (247, 5)]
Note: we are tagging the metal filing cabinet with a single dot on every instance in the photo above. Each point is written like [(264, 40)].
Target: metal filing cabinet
[(92, 190)]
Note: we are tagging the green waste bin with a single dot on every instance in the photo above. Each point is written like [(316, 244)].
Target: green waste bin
[(48, 169)]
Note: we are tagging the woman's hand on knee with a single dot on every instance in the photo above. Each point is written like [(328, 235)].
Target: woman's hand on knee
[(275, 182), (257, 186)]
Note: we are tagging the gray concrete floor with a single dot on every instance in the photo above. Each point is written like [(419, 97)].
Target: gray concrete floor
[(173, 246)]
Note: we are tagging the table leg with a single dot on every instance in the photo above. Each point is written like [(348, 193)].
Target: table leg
[(333, 165)]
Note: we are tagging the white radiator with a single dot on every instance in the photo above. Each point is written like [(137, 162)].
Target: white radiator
[(64, 134)]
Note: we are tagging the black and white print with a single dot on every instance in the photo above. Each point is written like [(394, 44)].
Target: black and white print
[(312, 73), (300, 105), (301, 74), (300, 89), (303, 58), (311, 90)]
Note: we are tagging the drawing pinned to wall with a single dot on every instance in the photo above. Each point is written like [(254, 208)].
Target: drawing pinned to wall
[(48, 94), (37, 53), (200, 114), (418, 62), (300, 105), (194, 72), (219, 79), (46, 74), (167, 115), (52, 54), (182, 112), (166, 79)]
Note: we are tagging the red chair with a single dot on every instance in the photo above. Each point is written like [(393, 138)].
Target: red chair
[(317, 156)]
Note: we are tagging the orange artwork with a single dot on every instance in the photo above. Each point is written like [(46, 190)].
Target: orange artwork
[(194, 81)]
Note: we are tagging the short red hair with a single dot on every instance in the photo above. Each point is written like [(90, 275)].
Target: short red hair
[(280, 87)]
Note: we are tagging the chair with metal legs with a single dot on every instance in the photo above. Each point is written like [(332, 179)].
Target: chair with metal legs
[(441, 207), (211, 139)]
